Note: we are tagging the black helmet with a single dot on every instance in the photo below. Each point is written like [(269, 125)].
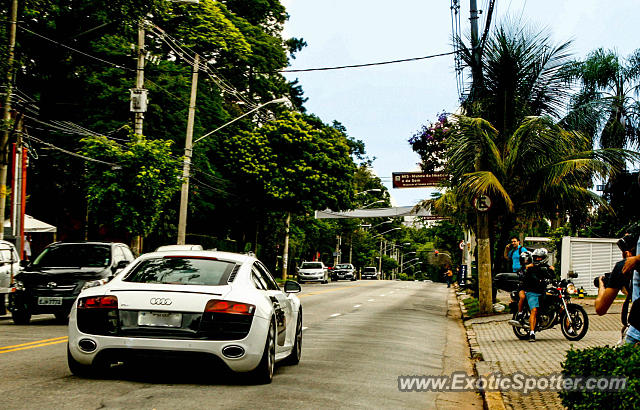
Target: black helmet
[(525, 258), (540, 256)]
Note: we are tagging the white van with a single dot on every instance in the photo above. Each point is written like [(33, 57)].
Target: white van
[(9, 267)]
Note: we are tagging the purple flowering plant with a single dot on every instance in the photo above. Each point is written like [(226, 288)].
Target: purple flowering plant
[(430, 143)]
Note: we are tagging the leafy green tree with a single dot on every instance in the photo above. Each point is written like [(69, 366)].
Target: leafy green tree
[(130, 196), (606, 101)]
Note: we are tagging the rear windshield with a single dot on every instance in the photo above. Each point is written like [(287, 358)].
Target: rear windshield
[(311, 265), (343, 266), (369, 269), (84, 255), (181, 271)]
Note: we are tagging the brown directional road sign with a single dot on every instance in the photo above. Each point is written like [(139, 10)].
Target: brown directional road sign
[(417, 179)]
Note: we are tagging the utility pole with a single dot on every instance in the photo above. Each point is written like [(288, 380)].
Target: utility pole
[(139, 91), (285, 251), (4, 142), (482, 218), (188, 154)]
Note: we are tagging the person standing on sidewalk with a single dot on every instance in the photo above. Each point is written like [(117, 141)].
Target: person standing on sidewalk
[(513, 252), (624, 276), (449, 275)]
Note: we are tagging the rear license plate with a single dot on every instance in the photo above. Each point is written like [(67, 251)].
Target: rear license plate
[(49, 301), (159, 319)]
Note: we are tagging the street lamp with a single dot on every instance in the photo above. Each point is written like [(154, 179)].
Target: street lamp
[(392, 229), (372, 203), (188, 152), (368, 190)]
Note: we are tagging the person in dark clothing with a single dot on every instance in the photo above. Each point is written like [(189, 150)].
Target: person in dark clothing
[(534, 284)]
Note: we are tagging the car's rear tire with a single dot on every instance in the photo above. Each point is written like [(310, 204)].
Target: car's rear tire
[(296, 351), (263, 374), (82, 370), (21, 318)]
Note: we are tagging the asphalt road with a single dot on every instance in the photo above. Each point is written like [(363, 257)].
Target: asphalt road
[(358, 338)]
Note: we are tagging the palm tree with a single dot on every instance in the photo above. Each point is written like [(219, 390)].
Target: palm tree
[(605, 103), (541, 171), (522, 75)]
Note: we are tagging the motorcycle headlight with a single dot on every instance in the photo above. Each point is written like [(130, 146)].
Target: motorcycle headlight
[(94, 283), (571, 289)]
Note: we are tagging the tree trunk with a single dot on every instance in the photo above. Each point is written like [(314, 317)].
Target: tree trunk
[(484, 264)]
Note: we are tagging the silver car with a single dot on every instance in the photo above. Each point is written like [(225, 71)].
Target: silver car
[(313, 272)]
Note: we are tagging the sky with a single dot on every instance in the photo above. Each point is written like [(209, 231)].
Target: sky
[(385, 105)]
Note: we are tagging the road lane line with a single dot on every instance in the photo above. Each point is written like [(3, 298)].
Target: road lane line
[(32, 346), (34, 343), (329, 290), (304, 328), (382, 295), (371, 300), (336, 314), (356, 306)]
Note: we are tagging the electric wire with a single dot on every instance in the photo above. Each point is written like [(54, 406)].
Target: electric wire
[(368, 64), (100, 60), (83, 157)]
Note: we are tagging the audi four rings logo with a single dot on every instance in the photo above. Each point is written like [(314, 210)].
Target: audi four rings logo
[(160, 301)]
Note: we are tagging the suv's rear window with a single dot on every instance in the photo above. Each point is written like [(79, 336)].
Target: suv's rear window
[(343, 266), (311, 265), (84, 255), (181, 271), (370, 270)]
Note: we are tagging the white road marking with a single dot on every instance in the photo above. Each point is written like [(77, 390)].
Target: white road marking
[(371, 300), (356, 306), (382, 295), (304, 328), (336, 314)]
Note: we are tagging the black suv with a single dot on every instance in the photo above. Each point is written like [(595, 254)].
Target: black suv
[(52, 282)]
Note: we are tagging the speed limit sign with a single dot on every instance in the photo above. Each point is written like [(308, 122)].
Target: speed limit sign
[(461, 245)]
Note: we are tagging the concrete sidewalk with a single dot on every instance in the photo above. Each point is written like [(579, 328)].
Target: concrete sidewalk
[(498, 350)]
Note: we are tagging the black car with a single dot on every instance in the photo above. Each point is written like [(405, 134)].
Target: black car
[(52, 282), (343, 271)]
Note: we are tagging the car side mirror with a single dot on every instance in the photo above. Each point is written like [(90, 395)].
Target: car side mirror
[(291, 286), (572, 274), (120, 265)]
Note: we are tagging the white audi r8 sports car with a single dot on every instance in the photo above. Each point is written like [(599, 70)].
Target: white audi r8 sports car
[(188, 304)]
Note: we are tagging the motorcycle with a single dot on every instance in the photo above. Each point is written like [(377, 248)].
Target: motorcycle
[(555, 309)]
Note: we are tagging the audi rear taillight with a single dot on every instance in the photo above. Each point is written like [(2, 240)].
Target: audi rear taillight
[(225, 306), (98, 302)]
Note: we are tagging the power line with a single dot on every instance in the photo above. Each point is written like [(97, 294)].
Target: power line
[(76, 50), (404, 60), (38, 140)]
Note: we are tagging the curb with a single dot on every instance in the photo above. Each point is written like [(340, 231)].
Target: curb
[(493, 400)]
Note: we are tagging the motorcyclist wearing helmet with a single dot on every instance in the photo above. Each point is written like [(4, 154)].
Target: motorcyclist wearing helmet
[(534, 284), (525, 259)]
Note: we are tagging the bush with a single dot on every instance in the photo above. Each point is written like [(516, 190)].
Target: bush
[(402, 276), (603, 361)]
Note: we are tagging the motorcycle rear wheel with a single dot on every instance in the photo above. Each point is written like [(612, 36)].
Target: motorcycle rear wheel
[(520, 332), (579, 322)]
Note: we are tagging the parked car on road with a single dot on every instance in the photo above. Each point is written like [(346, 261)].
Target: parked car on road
[(370, 272), (313, 272), (9, 267), (52, 282), (343, 271), (201, 306)]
